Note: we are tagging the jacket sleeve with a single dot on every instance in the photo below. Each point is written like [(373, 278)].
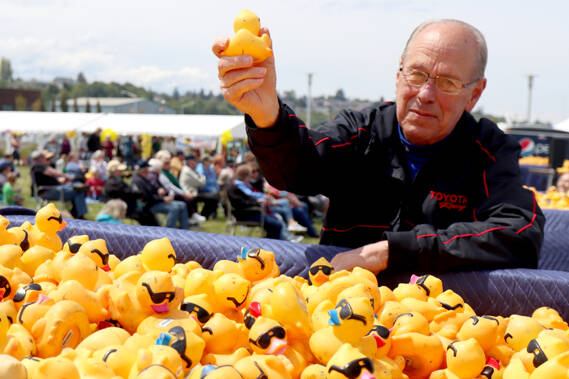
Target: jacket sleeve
[(301, 160), (169, 186), (508, 230)]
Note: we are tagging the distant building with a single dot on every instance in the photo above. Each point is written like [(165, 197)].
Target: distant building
[(19, 99), (117, 105), (61, 82)]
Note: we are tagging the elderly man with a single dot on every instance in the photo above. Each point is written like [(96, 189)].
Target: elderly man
[(418, 185), (55, 182)]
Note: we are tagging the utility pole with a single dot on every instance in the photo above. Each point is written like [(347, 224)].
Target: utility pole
[(530, 87), (309, 102)]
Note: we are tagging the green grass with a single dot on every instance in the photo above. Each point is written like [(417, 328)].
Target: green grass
[(211, 226)]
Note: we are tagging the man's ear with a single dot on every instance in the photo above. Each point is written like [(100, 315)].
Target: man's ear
[(475, 95)]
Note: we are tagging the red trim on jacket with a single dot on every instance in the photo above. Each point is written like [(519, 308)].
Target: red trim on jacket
[(486, 151), (427, 235), (485, 183), (474, 234), (474, 214), (322, 140), (354, 136), (303, 126), (532, 219), (363, 130), (353, 227), (342, 144)]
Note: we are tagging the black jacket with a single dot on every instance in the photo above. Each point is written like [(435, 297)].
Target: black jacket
[(147, 190), (466, 208)]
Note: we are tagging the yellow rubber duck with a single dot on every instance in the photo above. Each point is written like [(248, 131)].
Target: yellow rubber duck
[(15, 340), (65, 324), (33, 257), (44, 232), (483, 329), (252, 264), (410, 322), (158, 255), (92, 368), (97, 251), (215, 372), (246, 40), (263, 366), (520, 331), (9, 308), (555, 368), (423, 354), (12, 368), (157, 361), (350, 322), (382, 338), (103, 338), (11, 256), (89, 300), (189, 346), (82, 269), (320, 271), (349, 363), (223, 335), (6, 238), (549, 318), (10, 281), (465, 359), (51, 368), (21, 235), (198, 307)]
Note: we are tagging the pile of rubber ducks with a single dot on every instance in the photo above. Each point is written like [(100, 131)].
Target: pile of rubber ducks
[(74, 310), (551, 198)]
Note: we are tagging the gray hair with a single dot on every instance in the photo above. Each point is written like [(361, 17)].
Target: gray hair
[(478, 39)]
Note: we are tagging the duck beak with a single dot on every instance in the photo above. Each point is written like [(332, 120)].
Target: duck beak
[(277, 347), (366, 375), (334, 320), (378, 341), (63, 225), (160, 308), (319, 278), (106, 268), (2, 292)]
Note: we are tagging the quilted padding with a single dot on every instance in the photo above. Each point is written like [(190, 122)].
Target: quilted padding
[(496, 292)]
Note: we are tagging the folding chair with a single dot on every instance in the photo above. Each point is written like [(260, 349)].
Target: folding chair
[(232, 222)]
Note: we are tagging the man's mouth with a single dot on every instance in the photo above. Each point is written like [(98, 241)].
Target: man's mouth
[(422, 114)]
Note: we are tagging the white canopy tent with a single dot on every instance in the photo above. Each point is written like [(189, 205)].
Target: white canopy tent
[(563, 125), (194, 126)]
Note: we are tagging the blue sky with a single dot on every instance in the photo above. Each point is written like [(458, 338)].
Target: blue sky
[(352, 44)]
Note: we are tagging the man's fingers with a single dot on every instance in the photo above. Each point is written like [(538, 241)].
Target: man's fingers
[(226, 64), (236, 91), (219, 45), (235, 76)]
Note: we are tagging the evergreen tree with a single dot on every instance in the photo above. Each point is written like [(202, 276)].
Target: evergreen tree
[(98, 107), (176, 94), (63, 100), (81, 78), (75, 106), (53, 104), (88, 107)]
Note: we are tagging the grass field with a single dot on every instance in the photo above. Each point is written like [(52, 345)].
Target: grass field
[(210, 226)]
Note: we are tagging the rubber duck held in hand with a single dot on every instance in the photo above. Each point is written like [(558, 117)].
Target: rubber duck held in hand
[(44, 232), (246, 39)]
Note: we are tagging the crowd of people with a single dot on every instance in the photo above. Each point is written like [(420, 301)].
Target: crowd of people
[(188, 187)]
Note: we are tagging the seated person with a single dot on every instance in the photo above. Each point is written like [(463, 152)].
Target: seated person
[(113, 212), (169, 182), (5, 169), (95, 184), (75, 169), (211, 189), (243, 199), (563, 183), (45, 175), (191, 181), (10, 194), (155, 199), (117, 188)]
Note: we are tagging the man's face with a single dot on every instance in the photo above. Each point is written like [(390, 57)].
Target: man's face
[(426, 114), (192, 163)]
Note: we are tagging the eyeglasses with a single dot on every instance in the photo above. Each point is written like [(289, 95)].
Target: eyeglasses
[(264, 339), (353, 369), (202, 314), (346, 312), (159, 297), (416, 78), (327, 270)]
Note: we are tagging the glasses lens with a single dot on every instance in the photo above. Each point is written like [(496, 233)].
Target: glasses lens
[(416, 78), (327, 270), (314, 270), (345, 310), (448, 85)]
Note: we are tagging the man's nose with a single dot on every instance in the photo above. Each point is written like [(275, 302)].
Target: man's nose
[(427, 91)]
